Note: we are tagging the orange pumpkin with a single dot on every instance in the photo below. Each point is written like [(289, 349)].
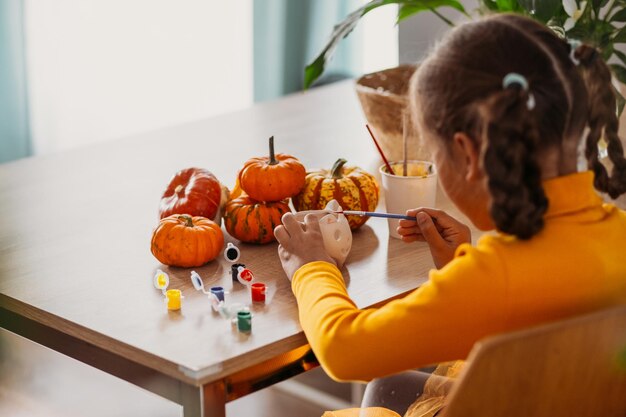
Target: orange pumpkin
[(272, 179), (182, 240), (193, 191), (236, 191), (352, 187), (252, 221)]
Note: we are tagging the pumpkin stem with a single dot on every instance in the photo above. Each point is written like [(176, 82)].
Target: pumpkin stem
[(273, 160), (337, 167), (187, 218)]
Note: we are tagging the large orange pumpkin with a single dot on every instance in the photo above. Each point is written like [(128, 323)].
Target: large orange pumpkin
[(252, 221), (352, 187), (182, 240), (193, 191), (272, 179)]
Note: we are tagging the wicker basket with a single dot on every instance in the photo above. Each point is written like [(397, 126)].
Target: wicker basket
[(383, 97)]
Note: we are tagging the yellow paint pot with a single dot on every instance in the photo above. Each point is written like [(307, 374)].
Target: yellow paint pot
[(173, 299)]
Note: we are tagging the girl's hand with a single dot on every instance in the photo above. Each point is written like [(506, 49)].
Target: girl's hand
[(442, 232), (300, 243)]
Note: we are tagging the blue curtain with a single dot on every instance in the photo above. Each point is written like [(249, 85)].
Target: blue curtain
[(14, 122), (288, 34)]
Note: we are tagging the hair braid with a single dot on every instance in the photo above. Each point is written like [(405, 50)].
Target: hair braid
[(510, 139), (602, 118)]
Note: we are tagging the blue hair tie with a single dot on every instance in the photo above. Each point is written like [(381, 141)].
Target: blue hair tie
[(573, 45), (513, 78)]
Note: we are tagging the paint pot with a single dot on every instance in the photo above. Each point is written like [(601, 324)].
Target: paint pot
[(234, 270), (244, 321), (231, 253), (161, 280), (218, 292), (196, 280), (173, 299), (257, 291), (244, 275)]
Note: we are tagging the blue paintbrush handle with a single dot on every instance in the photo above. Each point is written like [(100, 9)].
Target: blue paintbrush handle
[(376, 214)]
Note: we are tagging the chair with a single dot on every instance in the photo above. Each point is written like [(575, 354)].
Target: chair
[(575, 367)]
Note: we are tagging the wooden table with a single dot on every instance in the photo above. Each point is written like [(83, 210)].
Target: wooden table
[(76, 269)]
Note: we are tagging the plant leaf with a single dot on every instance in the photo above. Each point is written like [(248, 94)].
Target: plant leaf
[(607, 52), (620, 37), (620, 55), (620, 16), (506, 5), (407, 11), (489, 4), (374, 4), (619, 71), (313, 71), (409, 8), (542, 10), (597, 5)]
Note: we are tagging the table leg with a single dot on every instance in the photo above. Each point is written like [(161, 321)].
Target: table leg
[(207, 401)]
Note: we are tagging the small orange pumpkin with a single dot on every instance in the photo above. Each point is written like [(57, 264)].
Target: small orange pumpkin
[(182, 240), (352, 187), (193, 191), (272, 179), (252, 221)]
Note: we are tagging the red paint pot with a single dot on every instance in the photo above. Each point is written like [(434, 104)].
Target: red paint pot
[(258, 290)]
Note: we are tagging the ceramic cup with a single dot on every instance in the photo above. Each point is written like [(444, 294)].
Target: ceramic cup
[(417, 189)]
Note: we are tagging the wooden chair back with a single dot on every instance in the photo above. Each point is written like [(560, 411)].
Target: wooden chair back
[(575, 367)]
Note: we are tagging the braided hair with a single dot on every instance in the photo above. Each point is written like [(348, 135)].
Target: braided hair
[(602, 118), (459, 88), (510, 139)]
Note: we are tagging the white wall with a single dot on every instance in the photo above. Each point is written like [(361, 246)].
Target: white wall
[(380, 39), (418, 33), (103, 69)]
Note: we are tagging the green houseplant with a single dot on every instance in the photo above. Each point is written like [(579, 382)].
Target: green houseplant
[(597, 22)]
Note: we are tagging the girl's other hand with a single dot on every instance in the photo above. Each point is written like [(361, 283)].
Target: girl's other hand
[(300, 243), (442, 232)]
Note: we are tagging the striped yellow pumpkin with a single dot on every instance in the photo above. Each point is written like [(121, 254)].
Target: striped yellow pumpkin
[(352, 187)]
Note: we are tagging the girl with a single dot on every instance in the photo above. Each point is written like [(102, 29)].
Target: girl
[(503, 103)]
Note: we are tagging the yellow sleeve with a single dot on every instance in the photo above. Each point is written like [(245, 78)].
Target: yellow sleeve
[(440, 321)]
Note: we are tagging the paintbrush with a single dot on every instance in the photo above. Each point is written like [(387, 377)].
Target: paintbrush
[(382, 154), (375, 214)]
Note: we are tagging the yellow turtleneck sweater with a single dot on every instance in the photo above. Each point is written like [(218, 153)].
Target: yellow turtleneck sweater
[(576, 264)]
